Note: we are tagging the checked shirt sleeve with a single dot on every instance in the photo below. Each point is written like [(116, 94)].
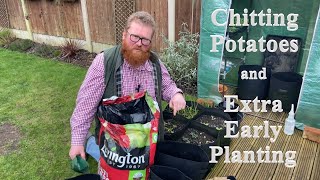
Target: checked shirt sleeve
[(89, 96), (169, 87)]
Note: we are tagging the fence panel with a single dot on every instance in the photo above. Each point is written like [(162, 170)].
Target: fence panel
[(186, 13), (4, 19), (159, 10), (15, 13), (101, 21), (56, 19)]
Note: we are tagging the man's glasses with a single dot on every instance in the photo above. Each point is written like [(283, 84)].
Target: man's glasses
[(135, 38)]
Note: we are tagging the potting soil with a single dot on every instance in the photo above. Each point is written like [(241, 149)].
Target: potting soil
[(212, 121), (171, 126), (196, 137)]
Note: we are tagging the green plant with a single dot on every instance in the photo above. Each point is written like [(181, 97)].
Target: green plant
[(20, 45), (180, 58), (6, 37), (44, 50), (70, 48), (189, 112), (56, 53)]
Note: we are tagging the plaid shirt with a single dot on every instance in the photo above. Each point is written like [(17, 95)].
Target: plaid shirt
[(93, 86)]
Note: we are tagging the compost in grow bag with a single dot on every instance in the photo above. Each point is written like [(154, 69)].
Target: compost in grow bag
[(188, 158), (212, 122), (128, 136), (175, 126)]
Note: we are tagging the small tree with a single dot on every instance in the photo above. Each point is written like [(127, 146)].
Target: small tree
[(181, 59)]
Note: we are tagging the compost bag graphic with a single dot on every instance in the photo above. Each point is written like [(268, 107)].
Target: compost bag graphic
[(128, 136)]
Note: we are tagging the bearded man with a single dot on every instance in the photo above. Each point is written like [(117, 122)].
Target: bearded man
[(136, 73)]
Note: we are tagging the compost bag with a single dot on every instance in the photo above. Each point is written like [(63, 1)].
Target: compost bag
[(127, 136)]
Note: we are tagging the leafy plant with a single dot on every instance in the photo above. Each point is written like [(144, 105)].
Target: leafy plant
[(20, 45), (46, 50), (180, 58), (70, 48), (189, 112), (56, 53), (6, 37)]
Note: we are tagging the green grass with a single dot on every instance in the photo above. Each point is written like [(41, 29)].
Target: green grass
[(38, 96)]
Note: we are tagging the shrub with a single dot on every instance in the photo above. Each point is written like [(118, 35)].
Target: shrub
[(70, 48), (6, 37), (56, 53), (46, 51), (21, 45), (181, 60)]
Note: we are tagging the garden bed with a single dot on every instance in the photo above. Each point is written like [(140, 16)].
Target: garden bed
[(77, 56)]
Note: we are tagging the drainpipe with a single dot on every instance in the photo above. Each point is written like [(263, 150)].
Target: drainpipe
[(26, 19), (171, 20), (86, 26)]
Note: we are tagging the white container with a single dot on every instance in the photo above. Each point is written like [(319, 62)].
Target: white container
[(290, 122)]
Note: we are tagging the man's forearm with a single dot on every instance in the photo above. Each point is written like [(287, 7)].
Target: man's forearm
[(89, 96)]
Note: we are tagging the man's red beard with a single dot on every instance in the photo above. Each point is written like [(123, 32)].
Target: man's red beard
[(135, 57)]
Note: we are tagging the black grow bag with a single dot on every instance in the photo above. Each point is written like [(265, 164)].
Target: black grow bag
[(285, 86), (251, 88), (86, 177), (188, 158), (215, 113), (235, 116), (158, 172), (203, 139), (181, 121)]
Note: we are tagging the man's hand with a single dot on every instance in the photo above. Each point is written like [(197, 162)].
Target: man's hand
[(177, 103), (77, 150)]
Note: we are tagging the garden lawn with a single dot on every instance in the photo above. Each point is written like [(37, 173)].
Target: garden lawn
[(38, 96)]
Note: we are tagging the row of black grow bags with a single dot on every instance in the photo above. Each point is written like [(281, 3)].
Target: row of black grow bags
[(180, 152), (283, 86)]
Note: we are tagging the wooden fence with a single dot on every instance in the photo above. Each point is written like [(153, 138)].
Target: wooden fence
[(60, 18)]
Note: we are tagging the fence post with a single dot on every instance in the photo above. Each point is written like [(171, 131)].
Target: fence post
[(171, 20), (26, 19), (85, 20)]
